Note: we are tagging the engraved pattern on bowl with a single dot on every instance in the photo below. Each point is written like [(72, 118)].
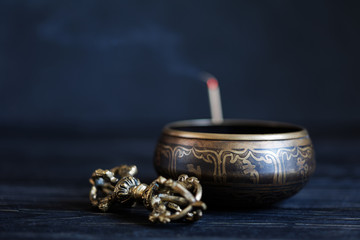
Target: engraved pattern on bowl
[(242, 167)]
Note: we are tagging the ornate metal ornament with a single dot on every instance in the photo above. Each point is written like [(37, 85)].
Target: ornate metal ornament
[(169, 200)]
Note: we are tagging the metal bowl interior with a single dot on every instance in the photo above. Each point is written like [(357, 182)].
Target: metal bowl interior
[(233, 129)]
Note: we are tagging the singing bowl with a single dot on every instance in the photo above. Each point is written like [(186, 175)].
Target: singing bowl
[(238, 161)]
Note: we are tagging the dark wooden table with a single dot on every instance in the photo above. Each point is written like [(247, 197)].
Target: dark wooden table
[(44, 194)]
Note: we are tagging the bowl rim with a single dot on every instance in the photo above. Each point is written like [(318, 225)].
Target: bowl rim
[(168, 130)]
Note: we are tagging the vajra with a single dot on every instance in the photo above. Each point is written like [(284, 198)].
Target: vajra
[(168, 199)]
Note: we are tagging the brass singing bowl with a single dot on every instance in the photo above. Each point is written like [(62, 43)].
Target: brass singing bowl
[(238, 161)]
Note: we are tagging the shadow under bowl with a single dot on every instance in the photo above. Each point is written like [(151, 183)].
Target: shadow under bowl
[(238, 162)]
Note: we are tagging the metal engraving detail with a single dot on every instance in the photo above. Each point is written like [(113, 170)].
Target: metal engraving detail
[(246, 162)]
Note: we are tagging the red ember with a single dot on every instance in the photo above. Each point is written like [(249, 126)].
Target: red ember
[(212, 83)]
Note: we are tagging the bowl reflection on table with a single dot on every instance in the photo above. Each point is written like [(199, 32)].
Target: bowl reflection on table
[(238, 161)]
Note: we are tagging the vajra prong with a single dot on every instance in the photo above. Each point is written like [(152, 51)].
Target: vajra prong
[(168, 199)]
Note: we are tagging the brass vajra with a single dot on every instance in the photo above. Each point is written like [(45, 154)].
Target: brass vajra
[(168, 199)]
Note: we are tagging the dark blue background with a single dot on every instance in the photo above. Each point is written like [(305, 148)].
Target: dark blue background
[(89, 84), (131, 66)]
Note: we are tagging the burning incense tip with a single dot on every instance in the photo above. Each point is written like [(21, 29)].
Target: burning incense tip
[(212, 83), (215, 100)]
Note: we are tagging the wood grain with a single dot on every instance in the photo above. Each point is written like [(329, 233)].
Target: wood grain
[(44, 195)]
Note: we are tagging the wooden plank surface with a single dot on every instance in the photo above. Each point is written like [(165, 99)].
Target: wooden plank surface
[(44, 195)]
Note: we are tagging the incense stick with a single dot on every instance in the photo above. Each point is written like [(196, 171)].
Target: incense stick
[(215, 100)]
